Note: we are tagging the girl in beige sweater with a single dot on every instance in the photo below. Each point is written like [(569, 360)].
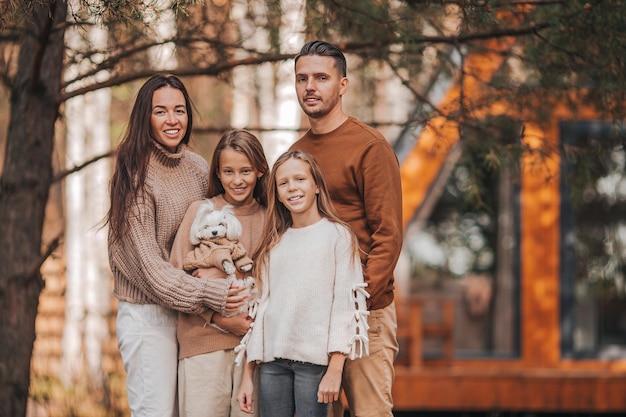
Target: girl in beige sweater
[(207, 375)]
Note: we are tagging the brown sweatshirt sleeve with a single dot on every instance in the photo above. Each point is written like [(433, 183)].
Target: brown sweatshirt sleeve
[(383, 211)]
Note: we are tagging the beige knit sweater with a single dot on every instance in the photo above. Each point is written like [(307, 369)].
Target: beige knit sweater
[(139, 260), (195, 336)]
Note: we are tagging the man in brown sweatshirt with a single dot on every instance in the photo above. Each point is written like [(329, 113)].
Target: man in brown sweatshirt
[(363, 178)]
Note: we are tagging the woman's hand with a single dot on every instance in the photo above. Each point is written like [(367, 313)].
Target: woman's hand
[(237, 325), (234, 299)]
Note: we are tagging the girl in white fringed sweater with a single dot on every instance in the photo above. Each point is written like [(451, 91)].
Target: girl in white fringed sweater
[(311, 314)]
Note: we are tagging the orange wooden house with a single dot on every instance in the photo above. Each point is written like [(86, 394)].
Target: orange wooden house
[(547, 341)]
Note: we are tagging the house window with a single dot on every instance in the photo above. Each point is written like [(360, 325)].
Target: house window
[(593, 240), (467, 249)]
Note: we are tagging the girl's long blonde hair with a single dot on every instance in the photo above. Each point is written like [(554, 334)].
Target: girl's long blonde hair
[(278, 218)]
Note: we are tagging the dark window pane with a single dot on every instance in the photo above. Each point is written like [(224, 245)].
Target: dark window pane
[(593, 234)]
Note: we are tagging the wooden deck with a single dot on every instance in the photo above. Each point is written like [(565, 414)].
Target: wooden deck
[(527, 383), (493, 388)]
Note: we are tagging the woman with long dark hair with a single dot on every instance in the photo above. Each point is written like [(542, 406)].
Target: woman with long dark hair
[(156, 177)]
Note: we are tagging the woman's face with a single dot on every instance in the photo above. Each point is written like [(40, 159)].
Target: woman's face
[(168, 120), (238, 177)]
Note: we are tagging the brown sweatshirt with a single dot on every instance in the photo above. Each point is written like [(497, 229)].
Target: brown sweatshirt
[(363, 177), (195, 335), (139, 260)]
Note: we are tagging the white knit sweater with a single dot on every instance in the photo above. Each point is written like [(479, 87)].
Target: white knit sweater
[(313, 298)]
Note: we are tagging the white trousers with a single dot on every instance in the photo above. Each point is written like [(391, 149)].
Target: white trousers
[(146, 335), (208, 385)]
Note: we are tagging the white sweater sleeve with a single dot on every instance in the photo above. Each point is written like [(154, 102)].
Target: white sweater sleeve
[(348, 326)]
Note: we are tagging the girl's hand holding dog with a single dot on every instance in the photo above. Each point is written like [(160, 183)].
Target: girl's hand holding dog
[(234, 300), (237, 325)]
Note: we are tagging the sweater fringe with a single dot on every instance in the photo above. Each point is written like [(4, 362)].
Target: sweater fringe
[(240, 349), (359, 343)]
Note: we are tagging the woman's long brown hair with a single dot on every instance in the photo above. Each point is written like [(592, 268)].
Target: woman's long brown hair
[(134, 151)]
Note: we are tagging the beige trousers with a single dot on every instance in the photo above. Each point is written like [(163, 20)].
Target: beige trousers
[(208, 385), (367, 382)]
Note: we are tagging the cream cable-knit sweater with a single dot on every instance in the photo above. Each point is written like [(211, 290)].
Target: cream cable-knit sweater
[(313, 301), (139, 260)]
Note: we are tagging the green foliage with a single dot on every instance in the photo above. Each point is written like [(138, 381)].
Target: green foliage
[(560, 46), (591, 158), (14, 11), (126, 12), (582, 46), (490, 148), (181, 7), (362, 20)]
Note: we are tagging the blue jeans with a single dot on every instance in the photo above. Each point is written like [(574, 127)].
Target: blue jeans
[(287, 386)]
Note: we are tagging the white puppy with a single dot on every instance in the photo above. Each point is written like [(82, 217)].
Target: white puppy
[(215, 234)]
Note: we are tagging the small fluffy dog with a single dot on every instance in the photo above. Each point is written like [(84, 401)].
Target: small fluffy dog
[(215, 234)]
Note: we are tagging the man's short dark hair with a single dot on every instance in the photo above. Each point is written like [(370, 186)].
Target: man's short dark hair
[(322, 48)]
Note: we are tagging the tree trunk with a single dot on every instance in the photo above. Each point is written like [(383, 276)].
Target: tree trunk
[(87, 295), (88, 275), (163, 57), (24, 188)]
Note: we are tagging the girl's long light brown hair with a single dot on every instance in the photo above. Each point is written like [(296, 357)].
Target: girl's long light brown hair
[(279, 219)]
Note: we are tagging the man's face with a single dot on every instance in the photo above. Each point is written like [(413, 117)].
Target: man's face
[(319, 85)]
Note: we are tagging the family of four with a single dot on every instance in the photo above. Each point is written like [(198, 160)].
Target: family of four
[(323, 227)]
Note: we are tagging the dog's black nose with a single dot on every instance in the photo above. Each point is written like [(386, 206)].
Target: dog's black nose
[(214, 232)]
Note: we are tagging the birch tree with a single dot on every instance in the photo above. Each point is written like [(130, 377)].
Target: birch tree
[(263, 96), (87, 285)]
